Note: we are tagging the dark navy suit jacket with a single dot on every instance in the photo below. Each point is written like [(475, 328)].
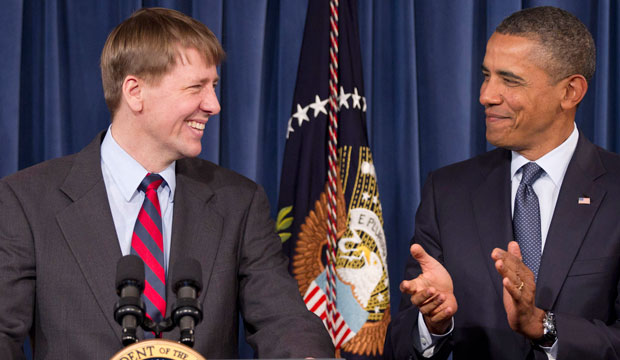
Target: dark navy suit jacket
[(465, 213)]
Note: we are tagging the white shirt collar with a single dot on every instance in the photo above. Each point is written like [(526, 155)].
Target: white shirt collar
[(126, 172), (554, 162)]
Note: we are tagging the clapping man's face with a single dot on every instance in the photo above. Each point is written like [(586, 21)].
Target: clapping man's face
[(521, 100)]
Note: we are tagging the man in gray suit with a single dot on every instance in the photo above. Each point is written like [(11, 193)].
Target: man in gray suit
[(516, 252), (65, 223)]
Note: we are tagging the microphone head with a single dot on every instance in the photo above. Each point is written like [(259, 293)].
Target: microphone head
[(129, 269), (187, 272)]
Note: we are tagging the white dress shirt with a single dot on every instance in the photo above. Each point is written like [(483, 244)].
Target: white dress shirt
[(547, 189), (122, 175)]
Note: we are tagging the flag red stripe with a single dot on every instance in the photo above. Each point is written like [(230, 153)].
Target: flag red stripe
[(343, 338), (318, 303), (311, 295)]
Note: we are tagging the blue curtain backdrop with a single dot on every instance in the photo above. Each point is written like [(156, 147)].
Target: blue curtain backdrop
[(421, 62)]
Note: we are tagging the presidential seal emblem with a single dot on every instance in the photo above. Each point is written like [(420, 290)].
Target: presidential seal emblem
[(362, 285), (157, 349)]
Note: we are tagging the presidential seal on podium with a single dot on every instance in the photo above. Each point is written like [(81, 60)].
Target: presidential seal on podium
[(157, 349)]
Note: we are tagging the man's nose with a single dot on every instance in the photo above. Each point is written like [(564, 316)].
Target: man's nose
[(209, 103), (490, 93)]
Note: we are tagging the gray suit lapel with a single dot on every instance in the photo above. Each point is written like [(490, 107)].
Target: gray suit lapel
[(570, 221), (88, 228), (491, 206), (196, 231)]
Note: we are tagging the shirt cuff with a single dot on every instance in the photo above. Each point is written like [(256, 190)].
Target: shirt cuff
[(552, 351), (428, 340)]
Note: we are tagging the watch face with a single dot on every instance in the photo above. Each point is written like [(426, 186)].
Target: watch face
[(549, 324)]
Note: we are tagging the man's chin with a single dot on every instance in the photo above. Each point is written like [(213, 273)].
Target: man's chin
[(191, 153), (498, 140)]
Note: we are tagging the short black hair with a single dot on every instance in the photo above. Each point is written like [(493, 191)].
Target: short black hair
[(565, 40)]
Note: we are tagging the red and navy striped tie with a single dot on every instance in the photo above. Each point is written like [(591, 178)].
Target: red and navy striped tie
[(147, 242)]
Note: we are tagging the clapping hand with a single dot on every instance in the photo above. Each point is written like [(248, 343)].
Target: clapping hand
[(432, 292)]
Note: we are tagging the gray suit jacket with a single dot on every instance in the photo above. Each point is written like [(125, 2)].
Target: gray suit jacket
[(465, 213), (59, 249)]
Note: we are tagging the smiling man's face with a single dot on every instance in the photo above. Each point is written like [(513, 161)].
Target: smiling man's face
[(178, 106), (521, 101)]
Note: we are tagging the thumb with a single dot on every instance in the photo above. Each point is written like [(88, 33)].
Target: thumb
[(514, 249), (426, 261)]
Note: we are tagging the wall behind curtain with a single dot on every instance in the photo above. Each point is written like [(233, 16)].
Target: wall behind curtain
[(421, 66)]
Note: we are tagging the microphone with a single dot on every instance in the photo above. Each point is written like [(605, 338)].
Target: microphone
[(129, 309), (187, 312)]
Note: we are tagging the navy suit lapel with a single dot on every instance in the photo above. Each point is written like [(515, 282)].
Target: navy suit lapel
[(88, 228), (491, 206), (570, 222), (196, 230)]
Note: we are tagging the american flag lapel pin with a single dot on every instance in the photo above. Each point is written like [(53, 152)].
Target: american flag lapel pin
[(583, 200)]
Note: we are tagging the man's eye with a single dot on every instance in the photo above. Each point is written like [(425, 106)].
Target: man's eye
[(510, 81)]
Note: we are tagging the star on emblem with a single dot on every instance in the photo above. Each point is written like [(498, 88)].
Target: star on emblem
[(375, 199), (365, 196), (364, 101), (318, 106), (301, 114), (343, 99), (356, 99), (380, 297)]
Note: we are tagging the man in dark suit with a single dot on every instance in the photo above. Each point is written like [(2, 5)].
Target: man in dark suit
[(65, 223), (516, 252)]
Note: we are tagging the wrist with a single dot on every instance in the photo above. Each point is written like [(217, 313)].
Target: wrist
[(534, 329), (549, 336), (437, 328)]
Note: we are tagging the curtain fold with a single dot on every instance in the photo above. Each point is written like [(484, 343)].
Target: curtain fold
[(422, 76)]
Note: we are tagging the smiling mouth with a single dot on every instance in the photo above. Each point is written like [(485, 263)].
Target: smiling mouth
[(196, 125), (496, 117)]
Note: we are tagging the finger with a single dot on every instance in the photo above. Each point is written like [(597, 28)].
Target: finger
[(407, 286), (515, 290), (425, 260), (498, 254), (502, 269), (422, 297), (432, 306), (443, 314), (509, 272), (513, 249)]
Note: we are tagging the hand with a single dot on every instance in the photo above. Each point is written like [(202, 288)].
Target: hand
[(432, 292), (519, 292)]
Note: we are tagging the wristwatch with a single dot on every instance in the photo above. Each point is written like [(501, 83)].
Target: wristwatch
[(550, 335)]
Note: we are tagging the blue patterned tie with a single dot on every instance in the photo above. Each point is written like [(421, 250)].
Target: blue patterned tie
[(526, 219), (147, 242)]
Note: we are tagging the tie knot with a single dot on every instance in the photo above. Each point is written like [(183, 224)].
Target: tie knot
[(150, 182), (531, 173)]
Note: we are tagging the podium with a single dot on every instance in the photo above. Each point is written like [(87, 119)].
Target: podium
[(157, 349)]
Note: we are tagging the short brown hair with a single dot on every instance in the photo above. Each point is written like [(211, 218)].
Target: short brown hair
[(564, 39), (147, 45)]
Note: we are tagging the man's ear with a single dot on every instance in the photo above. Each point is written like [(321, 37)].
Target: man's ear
[(575, 88), (133, 88)]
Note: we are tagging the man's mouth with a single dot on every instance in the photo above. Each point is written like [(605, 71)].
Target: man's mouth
[(196, 125), (493, 116)]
